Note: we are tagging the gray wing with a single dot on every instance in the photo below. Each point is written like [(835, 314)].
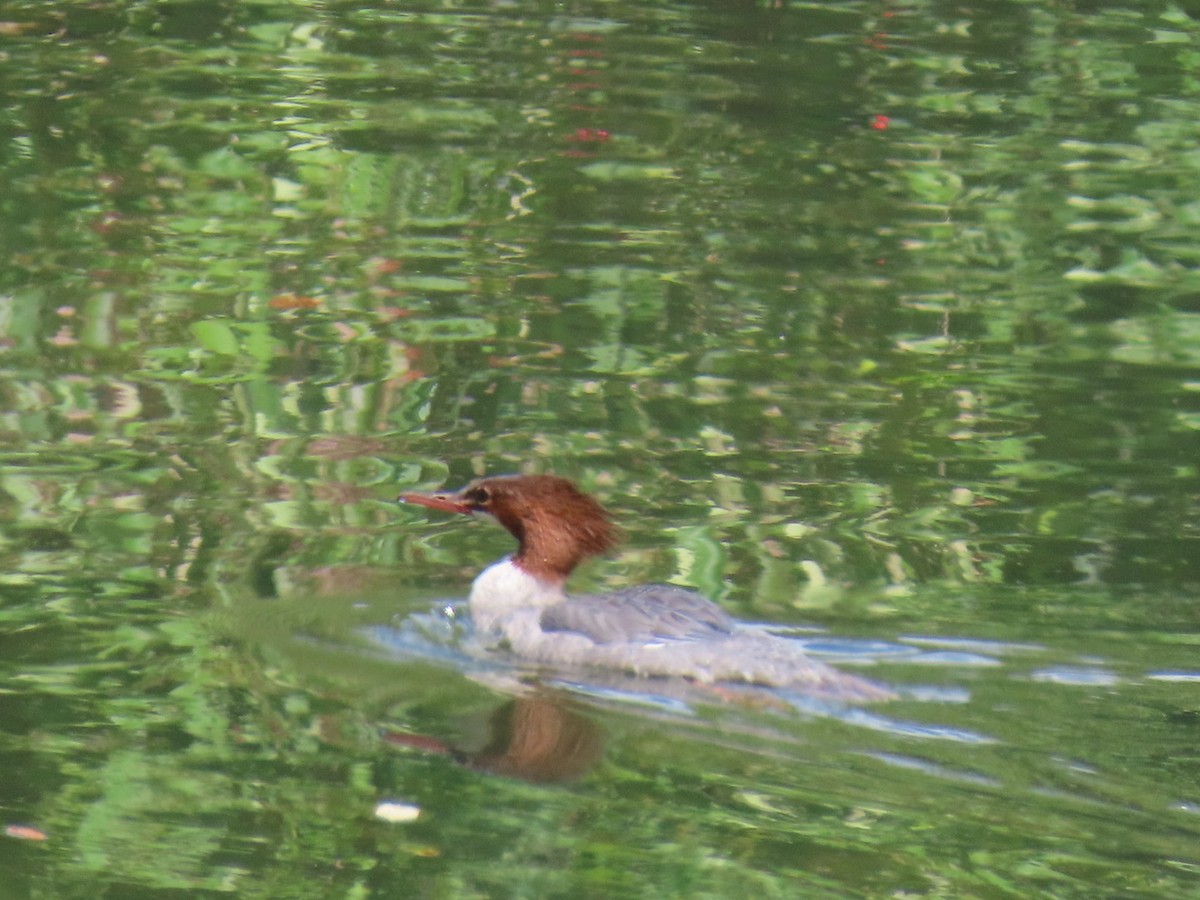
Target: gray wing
[(643, 613)]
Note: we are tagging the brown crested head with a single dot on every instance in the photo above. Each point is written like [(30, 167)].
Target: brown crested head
[(555, 523)]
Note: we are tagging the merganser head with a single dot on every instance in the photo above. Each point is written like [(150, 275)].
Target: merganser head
[(556, 524)]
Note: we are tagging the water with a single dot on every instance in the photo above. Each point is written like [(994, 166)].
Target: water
[(877, 321)]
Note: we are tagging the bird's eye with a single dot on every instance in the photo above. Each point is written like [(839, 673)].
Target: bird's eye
[(479, 495)]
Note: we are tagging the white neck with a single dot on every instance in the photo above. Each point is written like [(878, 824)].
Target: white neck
[(504, 588)]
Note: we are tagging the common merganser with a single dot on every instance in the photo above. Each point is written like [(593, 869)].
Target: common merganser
[(649, 630)]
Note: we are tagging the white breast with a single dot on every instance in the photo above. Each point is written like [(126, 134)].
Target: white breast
[(503, 589)]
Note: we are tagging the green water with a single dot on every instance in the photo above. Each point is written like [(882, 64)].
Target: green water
[(870, 318)]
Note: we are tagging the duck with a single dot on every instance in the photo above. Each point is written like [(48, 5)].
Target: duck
[(521, 603)]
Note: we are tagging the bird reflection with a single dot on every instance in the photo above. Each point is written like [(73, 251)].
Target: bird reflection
[(538, 737)]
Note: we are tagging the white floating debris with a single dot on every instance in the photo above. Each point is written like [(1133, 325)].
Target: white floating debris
[(394, 811)]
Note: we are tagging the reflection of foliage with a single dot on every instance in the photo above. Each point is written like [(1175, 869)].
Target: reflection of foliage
[(265, 264)]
